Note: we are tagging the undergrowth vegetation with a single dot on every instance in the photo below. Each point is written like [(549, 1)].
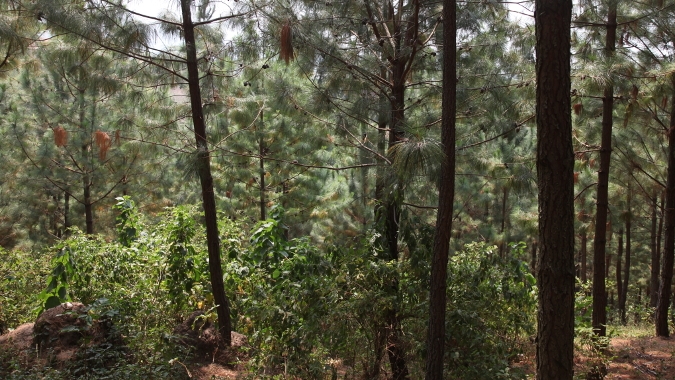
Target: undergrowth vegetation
[(309, 310)]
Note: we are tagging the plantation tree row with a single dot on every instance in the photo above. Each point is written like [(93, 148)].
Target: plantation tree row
[(393, 132)]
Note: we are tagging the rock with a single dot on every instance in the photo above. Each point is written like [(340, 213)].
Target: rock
[(202, 335), (61, 326), (20, 338)]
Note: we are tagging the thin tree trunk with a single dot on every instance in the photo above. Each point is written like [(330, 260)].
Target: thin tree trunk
[(626, 270), (380, 339), (393, 201), (636, 315), (66, 212), (659, 236), (392, 218), (261, 151), (502, 243), (284, 191), (669, 244), (619, 278), (205, 179), (611, 298), (88, 209), (608, 265), (584, 242), (599, 317), (86, 181), (372, 369), (446, 195), (533, 263), (654, 279), (555, 179), (54, 217)]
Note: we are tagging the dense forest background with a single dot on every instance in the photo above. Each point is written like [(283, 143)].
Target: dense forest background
[(278, 163)]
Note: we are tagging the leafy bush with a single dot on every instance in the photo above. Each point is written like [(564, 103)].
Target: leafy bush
[(22, 278), (142, 277), (491, 305), (281, 285), (304, 308)]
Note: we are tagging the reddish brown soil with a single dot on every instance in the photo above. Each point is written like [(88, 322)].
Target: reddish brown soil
[(214, 367), (628, 358), (642, 358), (639, 358)]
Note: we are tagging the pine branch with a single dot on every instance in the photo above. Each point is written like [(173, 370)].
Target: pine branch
[(515, 126)]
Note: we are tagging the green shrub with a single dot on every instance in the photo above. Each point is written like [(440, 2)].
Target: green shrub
[(491, 305), (22, 278)]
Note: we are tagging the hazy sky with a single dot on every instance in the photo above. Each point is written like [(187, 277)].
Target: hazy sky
[(151, 7)]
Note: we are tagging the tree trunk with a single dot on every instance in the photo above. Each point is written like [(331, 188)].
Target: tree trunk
[(66, 212), (399, 369), (502, 243), (446, 195), (599, 318), (205, 179), (555, 179), (380, 339), (619, 279), (533, 263), (88, 209), (654, 279), (608, 265), (261, 152), (584, 242), (669, 244), (372, 368), (403, 55), (636, 315), (392, 218), (86, 181), (626, 270)]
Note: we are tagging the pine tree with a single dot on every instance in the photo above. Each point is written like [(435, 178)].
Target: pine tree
[(77, 111), (644, 35), (436, 335), (126, 36), (555, 165), (18, 28)]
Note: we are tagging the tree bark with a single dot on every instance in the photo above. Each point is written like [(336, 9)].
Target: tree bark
[(533, 263), (404, 49), (88, 209), (66, 212), (584, 243), (86, 180), (446, 194), (654, 279), (619, 278), (261, 151), (669, 241), (555, 179), (599, 317), (626, 270), (502, 243), (205, 179)]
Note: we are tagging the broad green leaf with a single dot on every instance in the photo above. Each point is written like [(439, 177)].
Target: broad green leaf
[(51, 302)]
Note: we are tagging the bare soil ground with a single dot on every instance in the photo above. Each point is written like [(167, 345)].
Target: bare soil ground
[(640, 357), (632, 355), (209, 361)]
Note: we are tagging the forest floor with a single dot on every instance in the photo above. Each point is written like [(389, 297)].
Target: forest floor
[(634, 353)]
